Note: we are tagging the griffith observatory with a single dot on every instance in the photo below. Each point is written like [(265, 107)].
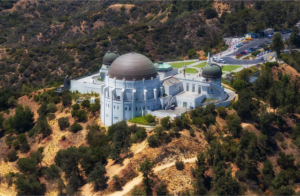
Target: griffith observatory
[(131, 85)]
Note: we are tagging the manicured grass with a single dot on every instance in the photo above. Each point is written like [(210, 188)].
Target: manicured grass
[(140, 120), (229, 68), (201, 65), (190, 70), (180, 64)]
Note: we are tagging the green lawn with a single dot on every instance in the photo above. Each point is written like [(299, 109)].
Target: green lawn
[(229, 68), (180, 64), (140, 120), (201, 65), (190, 70)]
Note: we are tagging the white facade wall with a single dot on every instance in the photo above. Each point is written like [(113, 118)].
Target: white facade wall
[(124, 100), (84, 87), (189, 102)]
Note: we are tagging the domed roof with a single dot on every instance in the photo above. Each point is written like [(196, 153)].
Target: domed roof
[(109, 57), (211, 70), (161, 66), (132, 66)]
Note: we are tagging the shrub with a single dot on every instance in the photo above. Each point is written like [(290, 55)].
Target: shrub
[(76, 107), (176, 129), (222, 111), (75, 127), (192, 132), (51, 107), (51, 116), (139, 136), (63, 123), (240, 175), (279, 136), (86, 103), (153, 141), (12, 156), (16, 144), (239, 84), (179, 165), (150, 118), (81, 115), (63, 138), (165, 122)]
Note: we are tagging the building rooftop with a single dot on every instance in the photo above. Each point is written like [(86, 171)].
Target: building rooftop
[(171, 81), (186, 94)]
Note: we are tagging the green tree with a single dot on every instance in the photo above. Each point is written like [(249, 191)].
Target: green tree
[(138, 191), (234, 125), (239, 84), (75, 127), (242, 6), (285, 190), (63, 123), (97, 176), (161, 189), (277, 43), (285, 161), (146, 168), (222, 111), (295, 37), (120, 139), (165, 122), (69, 160), (199, 183), (192, 53), (226, 185), (66, 98), (52, 172), (43, 127)]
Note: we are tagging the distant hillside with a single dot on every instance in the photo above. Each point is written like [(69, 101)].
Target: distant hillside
[(43, 41)]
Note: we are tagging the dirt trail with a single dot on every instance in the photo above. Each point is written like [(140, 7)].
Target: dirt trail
[(138, 179)]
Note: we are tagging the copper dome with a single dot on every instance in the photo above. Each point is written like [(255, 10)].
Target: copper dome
[(132, 66)]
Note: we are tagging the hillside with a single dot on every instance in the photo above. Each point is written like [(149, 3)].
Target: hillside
[(256, 151), (41, 42)]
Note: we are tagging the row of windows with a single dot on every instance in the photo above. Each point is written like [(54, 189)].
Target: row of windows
[(193, 88), (136, 108)]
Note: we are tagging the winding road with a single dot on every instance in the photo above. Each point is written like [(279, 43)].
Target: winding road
[(139, 178)]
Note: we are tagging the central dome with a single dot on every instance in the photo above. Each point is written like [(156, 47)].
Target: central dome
[(132, 66)]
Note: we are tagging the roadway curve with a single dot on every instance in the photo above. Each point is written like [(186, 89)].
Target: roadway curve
[(230, 57), (139, 178)]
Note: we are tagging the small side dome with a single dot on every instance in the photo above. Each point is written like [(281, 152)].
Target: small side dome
[(161, 66), (109, 57), (212, 71)]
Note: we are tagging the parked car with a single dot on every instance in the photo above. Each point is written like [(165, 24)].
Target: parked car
[(223, 61), (238, 45), (261, 58), (246, 51), (202, 58), (243, 53)]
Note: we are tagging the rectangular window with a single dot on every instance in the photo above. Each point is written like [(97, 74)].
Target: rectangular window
[(135, 108), (144, 108), (129, 108), (140, 108), (117, 107), (199, 90), (114, 107), (187, 87), (116, 118), (125, 108), (193, 88)]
